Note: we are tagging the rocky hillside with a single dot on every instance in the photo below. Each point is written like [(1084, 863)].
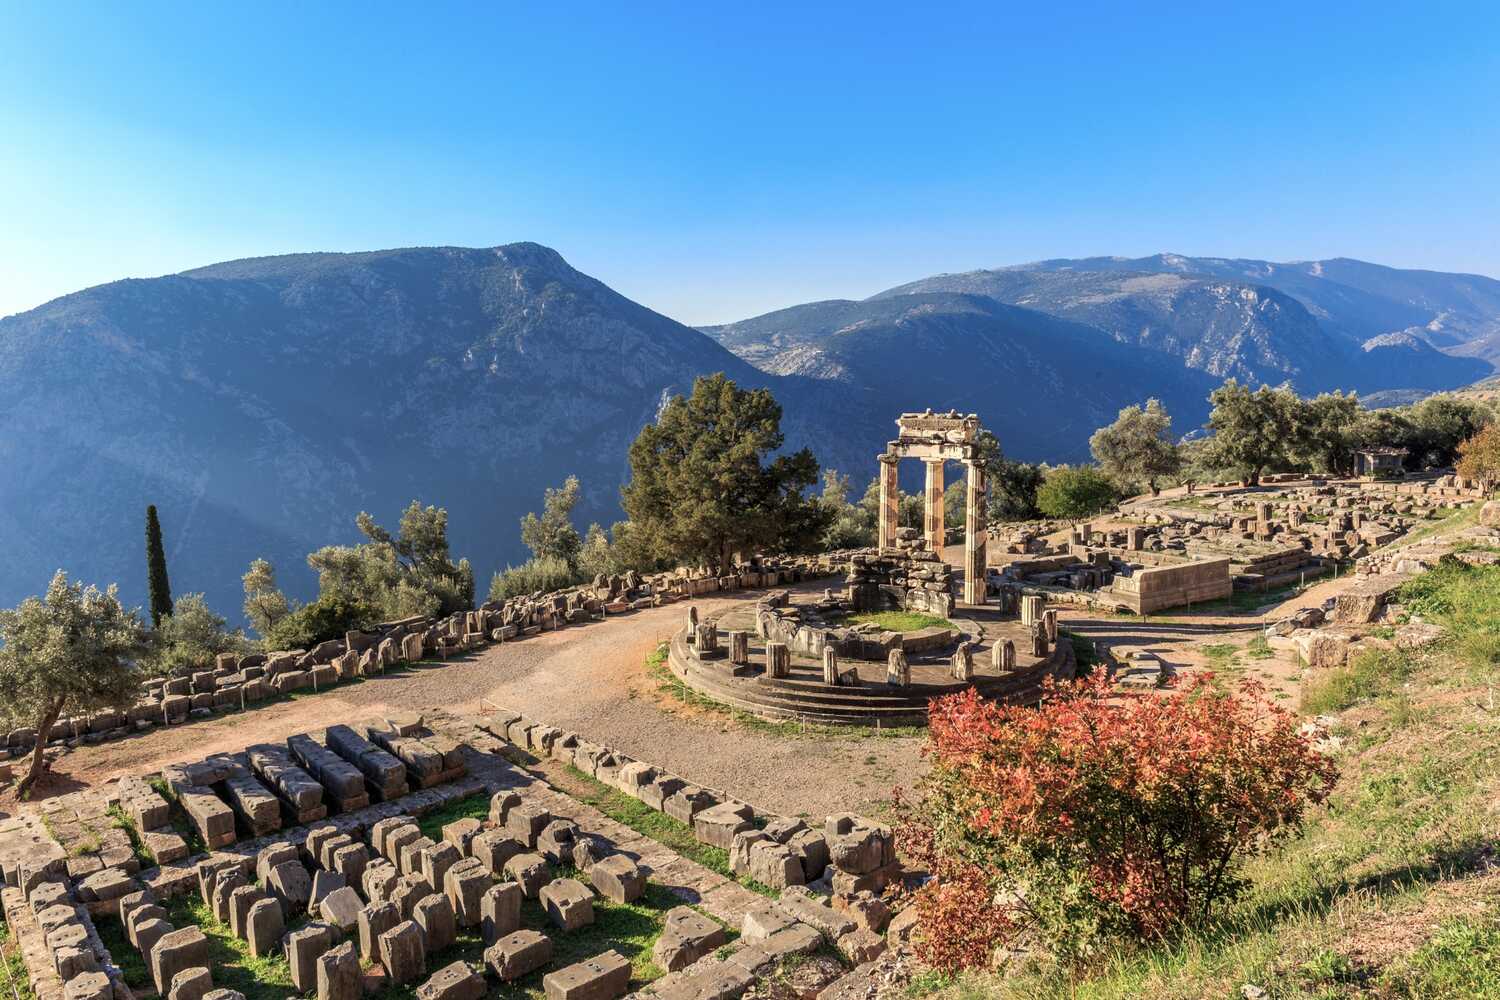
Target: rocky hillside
[(262, 403), (1263, 322)]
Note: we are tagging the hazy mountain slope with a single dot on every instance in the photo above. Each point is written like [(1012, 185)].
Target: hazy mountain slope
[(260, 404), (1042, 384), (1226, 327), (1353, 299)]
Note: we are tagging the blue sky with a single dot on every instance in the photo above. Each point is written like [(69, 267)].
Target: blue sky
[(715, 161)]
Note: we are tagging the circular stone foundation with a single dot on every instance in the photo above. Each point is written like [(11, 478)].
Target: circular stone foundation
[(808, 624)]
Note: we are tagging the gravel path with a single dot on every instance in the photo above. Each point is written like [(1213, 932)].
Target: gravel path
[(590, 679)]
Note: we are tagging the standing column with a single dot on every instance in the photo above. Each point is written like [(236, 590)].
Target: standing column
[(934, 517), (975, 535), (890, 502)]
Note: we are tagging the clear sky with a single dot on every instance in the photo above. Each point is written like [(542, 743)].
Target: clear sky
[(717, 160)]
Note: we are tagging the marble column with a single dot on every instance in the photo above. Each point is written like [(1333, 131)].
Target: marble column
[(890, 501), (933, 523), (975, 535)]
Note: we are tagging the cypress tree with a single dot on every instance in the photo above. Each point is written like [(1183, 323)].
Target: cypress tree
[(156, 570)]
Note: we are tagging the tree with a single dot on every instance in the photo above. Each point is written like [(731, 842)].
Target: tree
[(1439, 425), (1252, 430), (1076, 492), (264, 605), (701, 488), (73, 649), (409, 573), (190, 637), (1479, 457), (1325, 433), (1091, 816), (1138, 446), (157, 587), (552, 536), (1012, 484), (597, 556)]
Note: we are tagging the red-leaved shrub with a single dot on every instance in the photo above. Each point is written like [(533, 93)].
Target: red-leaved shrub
[(1098, 814)]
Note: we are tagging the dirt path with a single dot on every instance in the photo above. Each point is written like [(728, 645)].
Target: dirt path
[(590, 679)]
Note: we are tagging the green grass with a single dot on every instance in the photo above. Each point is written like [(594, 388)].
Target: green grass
[(1465, 600), (1461, 960), (120, 821), (1259, 648), (1371, 674), (897, 621), (132, 964), (475, 806), (1454, 521), (15, 984), (181, 825), (233, 967)]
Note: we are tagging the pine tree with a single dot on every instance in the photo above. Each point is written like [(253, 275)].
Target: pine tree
[(156, 570)]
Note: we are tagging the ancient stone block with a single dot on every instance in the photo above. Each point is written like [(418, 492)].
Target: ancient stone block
[(89, 986), (526, 822), (464, 884), (338, 975), (500, 911), (555, 843), (374, 920), (382, 829), (686, 936), (340, 909), (191, 984), (407, 891), (240, 901), (530, 871), (603, 977), (434, 915), (291, 885), (264, 926), (174, 952), (461, 834), (518, 954), (453, 982), (858, 846), (568, 903), (324, 884), (409, 857), (797, 903), (778, 660), (268, 858), (717, 826), (493, 848), (148, 933), (618, 878), (435, 861), (303, 948), (687, 802)]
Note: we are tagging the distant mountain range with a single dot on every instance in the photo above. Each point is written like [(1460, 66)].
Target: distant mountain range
[(261, 403), (1320, 325)]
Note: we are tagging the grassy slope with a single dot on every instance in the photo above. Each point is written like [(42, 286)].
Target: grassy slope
[(1391, 890)]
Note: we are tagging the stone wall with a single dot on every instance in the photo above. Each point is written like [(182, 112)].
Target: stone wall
[(1156, 588), (909, 578)]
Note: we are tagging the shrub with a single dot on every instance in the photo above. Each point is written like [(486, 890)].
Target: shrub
[(190, 637), (534, 575), (329, 617), (1074, 494), (1098, 816)]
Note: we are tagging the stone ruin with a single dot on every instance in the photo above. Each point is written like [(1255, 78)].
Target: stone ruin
[(357, 885), (936, 439), (906, 576)]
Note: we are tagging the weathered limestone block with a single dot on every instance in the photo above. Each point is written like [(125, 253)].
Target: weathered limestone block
[(1003, 656), (265, 925), (1322, 647), (147, 934), (461, 834), (831, 666), (518, 954), (191, 984), (588, 850), (240, 902), (861, 945), (338, 975), (267, 859), (396, 841), (555, 843), (453, 982), (568, 903), (175, 952), (434, 863), (687, 802), (778, 660), (465, 884), (661, 788), (603, 977), (500, 911), (763, 920), (350, 861), (858, 846), (89, 986), (633, 776), (408, 891), (303, 948), (213, 820), (530, 871), (341, 909), (324, 884), (290, 883), (898, 670), (739, 647), (963, 663), (434, 915), (526, 822), (799, 904), (104, 886), (493, 848), (403, 953), (375, 920), (409, 857), (224, 886), (380, 880), (717, 826), (1039, 646), (618, 878), (686, 936)]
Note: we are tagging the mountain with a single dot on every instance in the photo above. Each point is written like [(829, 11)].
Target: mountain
[(261, 403), (1251, 320), (1041, 383)]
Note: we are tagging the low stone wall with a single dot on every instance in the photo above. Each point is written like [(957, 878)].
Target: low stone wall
[(1159, 587), (910, 579)]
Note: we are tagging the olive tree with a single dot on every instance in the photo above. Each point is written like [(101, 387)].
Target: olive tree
[(73, 649), (1138, 446)]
